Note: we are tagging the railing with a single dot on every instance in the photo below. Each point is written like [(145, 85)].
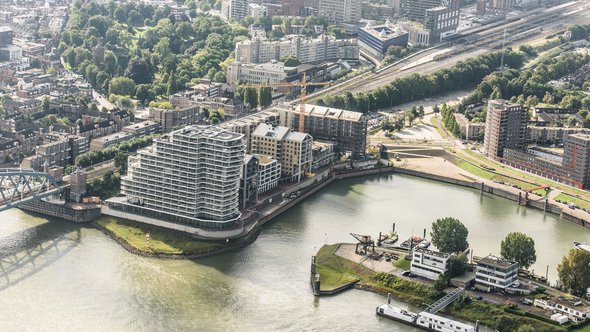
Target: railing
[(19, 186)]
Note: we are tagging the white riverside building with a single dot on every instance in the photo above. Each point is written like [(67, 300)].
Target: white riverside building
[(428, 263), (190, 176), (496, 272)]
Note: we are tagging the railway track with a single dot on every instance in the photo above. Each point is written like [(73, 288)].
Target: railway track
[(478, 41)]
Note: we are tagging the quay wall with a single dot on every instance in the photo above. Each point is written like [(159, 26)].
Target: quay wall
[(63, 211), (512, 195)]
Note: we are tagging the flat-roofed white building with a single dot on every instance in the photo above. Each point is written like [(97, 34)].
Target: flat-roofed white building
[(429, 264), (496, 272), (269, 173)]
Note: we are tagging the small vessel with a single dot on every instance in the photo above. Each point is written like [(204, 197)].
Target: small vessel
[(424, 244), (395, 313), (580, 245), (411, 242)]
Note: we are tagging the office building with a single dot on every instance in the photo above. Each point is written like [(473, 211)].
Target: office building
[(347, 129), (506, 125), (494, 272), (191, 177), (375, 40)]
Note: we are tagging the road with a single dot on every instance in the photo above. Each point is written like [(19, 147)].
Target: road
[(484, 41)]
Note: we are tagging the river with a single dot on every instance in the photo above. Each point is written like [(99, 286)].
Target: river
[(60, 276)]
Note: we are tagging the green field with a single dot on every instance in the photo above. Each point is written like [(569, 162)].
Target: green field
[(160, 241), (402, 263), (563, 197), (336, 271)]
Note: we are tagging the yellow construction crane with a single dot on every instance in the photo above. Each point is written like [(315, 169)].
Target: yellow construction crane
[(302, 95)]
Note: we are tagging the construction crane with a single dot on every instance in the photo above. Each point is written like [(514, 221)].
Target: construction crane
[(302, 94)]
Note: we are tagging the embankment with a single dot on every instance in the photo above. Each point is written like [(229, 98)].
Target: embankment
[(512, 194)]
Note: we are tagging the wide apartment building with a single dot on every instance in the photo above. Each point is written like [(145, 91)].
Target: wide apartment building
[(247, 125), (506, 124), (495, 273), (345, 128), (321, 49), (191, 176), (292, 150)]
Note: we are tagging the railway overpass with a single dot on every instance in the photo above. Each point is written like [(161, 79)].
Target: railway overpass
[(20, 186), (470, 43)]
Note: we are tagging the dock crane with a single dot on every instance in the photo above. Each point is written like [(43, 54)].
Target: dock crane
[(302, 94), (365, 241)]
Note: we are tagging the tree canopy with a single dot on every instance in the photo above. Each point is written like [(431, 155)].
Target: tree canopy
[(519, 247), (449, 235), (574, 271)]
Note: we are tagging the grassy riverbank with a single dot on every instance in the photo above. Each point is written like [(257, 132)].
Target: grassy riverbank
[(339, 271), (159, 241)]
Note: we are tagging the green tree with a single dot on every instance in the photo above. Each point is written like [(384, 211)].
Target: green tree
[(574, 271), (496, 93), (519, 247), (140, 71), (264, 97), (45, 103), (122, 86), (172, 84), (251, 97), (291, 61), (449, 235)]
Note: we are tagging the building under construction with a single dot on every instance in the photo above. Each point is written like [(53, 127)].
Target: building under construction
[(348, 130)]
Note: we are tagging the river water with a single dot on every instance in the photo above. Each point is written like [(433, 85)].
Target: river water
[(60, 276)]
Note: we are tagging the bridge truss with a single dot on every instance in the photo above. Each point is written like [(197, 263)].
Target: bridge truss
[(21, 186)]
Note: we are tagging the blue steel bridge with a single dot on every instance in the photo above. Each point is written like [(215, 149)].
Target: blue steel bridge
[(19, 186)]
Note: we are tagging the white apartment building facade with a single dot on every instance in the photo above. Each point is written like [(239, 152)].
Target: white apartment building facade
[(428, 263), (269, 173), (316, 50), (190, 176), (496, 272)]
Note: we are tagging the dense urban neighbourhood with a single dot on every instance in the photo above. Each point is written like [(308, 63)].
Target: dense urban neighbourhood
[(181, 130)]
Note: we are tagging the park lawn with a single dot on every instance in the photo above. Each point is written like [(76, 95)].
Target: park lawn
[(483, 173), (563, 197), (522, 174), (583, 329), (332, 279), (402, 263), (160, 241)]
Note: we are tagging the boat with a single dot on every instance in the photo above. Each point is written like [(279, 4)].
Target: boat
[(395, 313), (423, 320), (414, 240), (580, 245), (424, 244)]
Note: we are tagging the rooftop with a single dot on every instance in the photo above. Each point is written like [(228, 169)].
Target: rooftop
[(268, 131), (384, 31), (208, 132), (432, 252), (335, 113), (497, 262)]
